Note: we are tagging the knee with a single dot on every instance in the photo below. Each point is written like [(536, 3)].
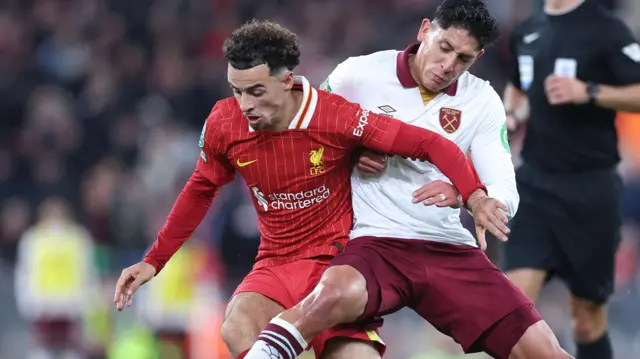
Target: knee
[(554, 352), (341, 295), (551, 351), (538, 342), (588, 321), (236, 336), (587, 330)]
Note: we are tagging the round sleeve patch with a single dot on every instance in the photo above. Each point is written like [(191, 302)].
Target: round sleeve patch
[(504, 137)]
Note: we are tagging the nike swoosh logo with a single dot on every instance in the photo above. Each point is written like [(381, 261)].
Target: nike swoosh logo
[(244, 164), (531, 38)]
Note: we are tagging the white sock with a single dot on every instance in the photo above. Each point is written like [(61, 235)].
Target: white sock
[(279, 340)]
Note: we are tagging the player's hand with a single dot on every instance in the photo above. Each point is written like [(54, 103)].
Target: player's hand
[(488, 215), (563, 90), (440, 193), (130, 280), (372, 162)]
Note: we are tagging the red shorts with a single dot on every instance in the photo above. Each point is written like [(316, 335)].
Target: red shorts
[(456, 288), (290, 283)]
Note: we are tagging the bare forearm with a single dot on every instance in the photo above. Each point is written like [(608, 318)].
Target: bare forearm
[(622, 98), (515, 102), (414, 142)]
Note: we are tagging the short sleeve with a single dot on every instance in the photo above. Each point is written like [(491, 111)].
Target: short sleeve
[(213, 162), (623, 54), (513, 59)]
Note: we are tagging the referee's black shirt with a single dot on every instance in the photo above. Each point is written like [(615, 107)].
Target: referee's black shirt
[(572, 138)]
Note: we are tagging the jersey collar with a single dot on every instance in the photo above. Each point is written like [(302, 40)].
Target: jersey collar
[(307, 107), (404, 73)]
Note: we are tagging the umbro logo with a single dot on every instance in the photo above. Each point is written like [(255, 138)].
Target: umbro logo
[(530, 38), (387, 109)]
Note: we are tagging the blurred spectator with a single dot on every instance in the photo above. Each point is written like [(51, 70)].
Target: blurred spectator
[(54, 276)]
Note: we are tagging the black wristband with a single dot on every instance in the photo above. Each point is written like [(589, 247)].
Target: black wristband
[(593, 90)]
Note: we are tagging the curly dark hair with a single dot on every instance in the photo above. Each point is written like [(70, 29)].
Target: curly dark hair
[(471, 15), (260, 42)]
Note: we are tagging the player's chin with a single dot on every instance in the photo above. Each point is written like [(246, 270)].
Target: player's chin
[(434, 85)]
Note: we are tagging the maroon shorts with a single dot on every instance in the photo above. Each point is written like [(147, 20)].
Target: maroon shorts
[(290, 283), (455, 288)]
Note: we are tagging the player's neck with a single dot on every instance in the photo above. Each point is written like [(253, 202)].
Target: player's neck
[(289, 110), (559, 7)]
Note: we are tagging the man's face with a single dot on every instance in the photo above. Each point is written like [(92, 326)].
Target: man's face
[(260, 95), (443, 55)]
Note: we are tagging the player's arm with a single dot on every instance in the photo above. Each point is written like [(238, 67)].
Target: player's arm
[(388, 135), (516, 106), (491, 155), (212, 171), (623, 57)]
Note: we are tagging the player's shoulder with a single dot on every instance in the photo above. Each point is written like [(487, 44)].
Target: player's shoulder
[(477, 91), (470, 85), (224, 111), (526, 27), (372, 65), (224, 119), (610, 26), (329, 102), (376, 59)]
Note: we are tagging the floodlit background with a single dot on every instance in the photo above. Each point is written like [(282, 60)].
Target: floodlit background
[(101, 106)]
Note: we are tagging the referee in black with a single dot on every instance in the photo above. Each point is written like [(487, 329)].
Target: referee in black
[(576, 64)]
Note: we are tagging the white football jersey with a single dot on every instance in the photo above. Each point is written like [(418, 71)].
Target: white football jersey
[(469, 113)]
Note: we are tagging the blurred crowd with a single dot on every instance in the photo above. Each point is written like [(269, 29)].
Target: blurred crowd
[(102, 102)]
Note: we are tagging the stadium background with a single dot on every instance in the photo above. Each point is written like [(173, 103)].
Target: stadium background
[(102, 102)]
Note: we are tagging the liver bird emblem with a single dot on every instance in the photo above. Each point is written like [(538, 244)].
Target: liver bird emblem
[(316, 157)]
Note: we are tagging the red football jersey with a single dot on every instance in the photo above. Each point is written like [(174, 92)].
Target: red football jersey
[(299, 178)]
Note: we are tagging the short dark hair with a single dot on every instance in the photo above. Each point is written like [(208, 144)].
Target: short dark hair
[(471, 15), (259, 42)]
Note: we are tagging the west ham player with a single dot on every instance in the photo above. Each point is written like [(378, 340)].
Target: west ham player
[(293, 145), (403, 254)]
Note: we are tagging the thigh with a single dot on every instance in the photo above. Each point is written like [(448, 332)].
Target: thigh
[(343, 348), (506, 335), (260, 297), (465, 294), (251, 310), (377, 260), (344, 339)]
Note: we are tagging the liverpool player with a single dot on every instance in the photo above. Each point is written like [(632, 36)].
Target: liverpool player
[(401, 253), (293, 146)]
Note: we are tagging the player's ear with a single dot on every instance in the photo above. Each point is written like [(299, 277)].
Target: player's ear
[(480, 54), (425, 27), (287, 80)]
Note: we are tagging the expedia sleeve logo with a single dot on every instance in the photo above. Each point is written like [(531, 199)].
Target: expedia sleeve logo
[(363, 120)]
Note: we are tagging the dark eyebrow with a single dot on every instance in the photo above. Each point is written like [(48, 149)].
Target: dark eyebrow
[(446, 42), (460, 54), (249, 89)]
